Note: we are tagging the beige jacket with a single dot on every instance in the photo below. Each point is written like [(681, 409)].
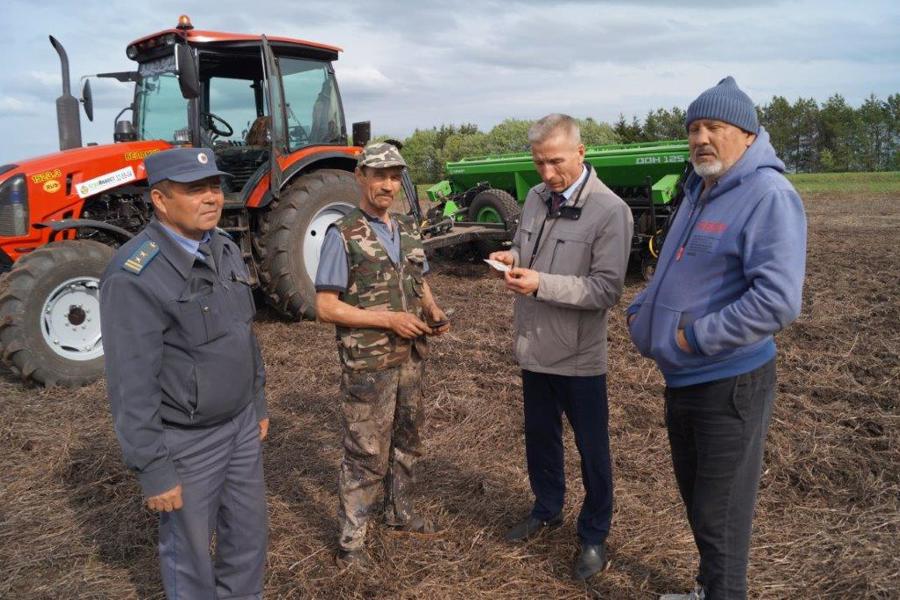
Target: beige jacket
[(582, 264)]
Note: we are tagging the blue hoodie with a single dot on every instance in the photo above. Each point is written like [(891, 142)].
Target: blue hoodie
[(730, 273)]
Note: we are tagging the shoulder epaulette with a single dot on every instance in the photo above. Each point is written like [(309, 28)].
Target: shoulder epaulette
[(141, 257)]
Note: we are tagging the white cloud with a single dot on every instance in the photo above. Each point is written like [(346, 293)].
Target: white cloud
[(46, 79), (365, 78), (10, 105), (419, 64)]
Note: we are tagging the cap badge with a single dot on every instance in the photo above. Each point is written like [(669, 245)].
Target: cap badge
[(202, 158)]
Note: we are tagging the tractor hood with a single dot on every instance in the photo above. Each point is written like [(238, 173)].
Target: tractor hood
[(85, 171), (56, 186)]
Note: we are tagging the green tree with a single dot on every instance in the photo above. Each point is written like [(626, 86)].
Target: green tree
[(509, 136), (778, 118), (805, 130), (464, 145), (423, 155), (662, 124), (836, 122), (874, 135), (596, 134), (628, 133), (893, 112), (827, 162)]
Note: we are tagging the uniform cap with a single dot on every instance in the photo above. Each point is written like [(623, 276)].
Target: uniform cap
[(181, 165), (380, 155)]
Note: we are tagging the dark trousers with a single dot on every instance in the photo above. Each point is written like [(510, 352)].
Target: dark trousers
[(584, 401), (222, 487), (717, 431)]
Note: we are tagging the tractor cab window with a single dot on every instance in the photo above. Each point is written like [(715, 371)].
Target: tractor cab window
[(162, 112), (313, 108), (231, 113)]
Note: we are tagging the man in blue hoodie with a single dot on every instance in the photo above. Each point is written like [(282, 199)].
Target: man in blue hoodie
[(729, 277)]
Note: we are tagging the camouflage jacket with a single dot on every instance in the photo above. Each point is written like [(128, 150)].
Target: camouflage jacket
[(376, 283)]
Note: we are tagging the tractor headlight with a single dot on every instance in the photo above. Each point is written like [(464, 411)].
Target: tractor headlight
[(14, 207)]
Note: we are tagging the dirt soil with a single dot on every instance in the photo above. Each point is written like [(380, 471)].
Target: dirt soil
[(828, 521)]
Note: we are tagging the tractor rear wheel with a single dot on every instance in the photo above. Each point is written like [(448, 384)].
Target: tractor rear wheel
[(648, 267), (50, 313), (494, 206), (291, 236)]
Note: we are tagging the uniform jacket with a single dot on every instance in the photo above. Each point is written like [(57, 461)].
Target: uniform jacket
[(582, 264), (179, 346), (375, 283), (730, 273)]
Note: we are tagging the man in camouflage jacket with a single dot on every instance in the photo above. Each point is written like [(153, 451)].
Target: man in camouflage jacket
[(370, 284)]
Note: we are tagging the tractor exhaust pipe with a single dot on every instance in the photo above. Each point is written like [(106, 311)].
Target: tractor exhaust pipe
[(67, 119)]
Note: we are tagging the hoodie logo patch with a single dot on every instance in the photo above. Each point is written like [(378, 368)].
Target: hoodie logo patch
[(706, 237), (711, 227)]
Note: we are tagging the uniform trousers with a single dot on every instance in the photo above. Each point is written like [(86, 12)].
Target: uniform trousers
[(221, 474), (382, 414), (717, 431), (584, 401)]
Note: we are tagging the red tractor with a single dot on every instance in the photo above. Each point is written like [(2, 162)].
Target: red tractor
[(270, 110)]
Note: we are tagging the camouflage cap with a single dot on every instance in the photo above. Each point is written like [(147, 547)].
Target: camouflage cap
[(380, 155)]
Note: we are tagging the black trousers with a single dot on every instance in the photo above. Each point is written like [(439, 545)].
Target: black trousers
[(717, 431), (584, 401)]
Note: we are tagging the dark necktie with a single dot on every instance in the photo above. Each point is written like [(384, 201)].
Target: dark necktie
[(206, 251), (556, 200)]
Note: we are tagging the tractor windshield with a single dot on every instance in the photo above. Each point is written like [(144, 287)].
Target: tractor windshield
[(162, 112)]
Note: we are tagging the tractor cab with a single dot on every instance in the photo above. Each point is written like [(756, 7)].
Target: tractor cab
[(251, 99)]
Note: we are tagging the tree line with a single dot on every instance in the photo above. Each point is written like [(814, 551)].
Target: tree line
[(809, 137)]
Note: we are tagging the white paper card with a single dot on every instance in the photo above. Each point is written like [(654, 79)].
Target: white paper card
[(497, 265)]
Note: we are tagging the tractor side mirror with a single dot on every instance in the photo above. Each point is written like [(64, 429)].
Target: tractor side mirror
[(87, 99), (362, 133), (188, 79)]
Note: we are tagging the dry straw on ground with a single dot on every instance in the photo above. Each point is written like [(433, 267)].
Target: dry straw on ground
[(828, 519)]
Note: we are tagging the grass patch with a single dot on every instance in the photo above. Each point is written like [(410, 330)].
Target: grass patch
[(880, 182)]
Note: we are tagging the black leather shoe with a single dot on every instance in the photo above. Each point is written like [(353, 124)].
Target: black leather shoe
[(531, 527), (591, 560)]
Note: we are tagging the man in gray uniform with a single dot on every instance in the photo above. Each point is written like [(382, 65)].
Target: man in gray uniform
[(185, 380)]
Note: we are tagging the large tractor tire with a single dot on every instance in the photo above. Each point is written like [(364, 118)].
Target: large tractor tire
[(648, 267), (494, 206), (291, 236), (50, 313)]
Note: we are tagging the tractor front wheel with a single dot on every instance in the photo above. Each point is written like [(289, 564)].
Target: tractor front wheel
[(292, 233), (50, 313)]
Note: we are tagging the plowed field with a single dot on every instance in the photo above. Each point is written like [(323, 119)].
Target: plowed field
[(828, 521)]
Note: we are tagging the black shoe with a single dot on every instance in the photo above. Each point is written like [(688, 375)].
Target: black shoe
[(531, 527), (591, 560)]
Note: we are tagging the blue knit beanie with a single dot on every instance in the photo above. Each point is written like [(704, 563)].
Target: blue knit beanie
[(724, 102)]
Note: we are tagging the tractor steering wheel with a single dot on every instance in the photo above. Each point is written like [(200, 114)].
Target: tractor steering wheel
[(209, 120)]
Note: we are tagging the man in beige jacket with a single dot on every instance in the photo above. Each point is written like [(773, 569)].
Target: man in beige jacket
[(568, 261)]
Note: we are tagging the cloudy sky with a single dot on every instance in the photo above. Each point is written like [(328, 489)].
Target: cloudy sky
[(416, 64)]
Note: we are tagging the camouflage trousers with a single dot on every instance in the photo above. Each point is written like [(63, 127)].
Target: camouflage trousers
[(382, 413)]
